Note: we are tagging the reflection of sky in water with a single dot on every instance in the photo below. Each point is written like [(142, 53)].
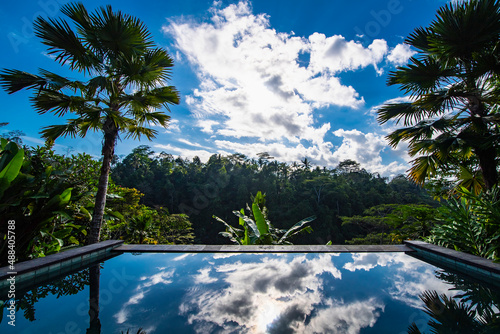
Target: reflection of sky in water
[(249, 293)]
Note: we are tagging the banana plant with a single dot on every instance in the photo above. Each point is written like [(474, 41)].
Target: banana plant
[(258, 230), (11, 161)]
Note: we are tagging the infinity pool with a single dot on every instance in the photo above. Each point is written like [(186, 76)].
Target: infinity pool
[(242, 293)]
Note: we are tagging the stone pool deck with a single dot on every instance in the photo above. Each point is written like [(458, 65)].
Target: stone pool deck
[(262, 248)]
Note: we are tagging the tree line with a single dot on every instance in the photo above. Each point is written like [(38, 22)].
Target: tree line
[(293, 191)]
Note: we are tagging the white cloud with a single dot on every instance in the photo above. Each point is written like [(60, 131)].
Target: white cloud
[(182, 257), (187, 142), (335, 54), (173, 126), (250, 74), (206, 125), (400, 54), (265, 86), (366, 148), (401, 151), (204, 155), (345, 318)]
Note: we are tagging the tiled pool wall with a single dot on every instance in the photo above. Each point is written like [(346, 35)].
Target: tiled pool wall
[(60, 264)]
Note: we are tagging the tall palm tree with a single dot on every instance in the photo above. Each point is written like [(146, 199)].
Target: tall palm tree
[(126, 86), (451, 117)]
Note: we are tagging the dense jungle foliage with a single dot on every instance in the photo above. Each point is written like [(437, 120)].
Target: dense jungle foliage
[(51, 197), (293, 191)]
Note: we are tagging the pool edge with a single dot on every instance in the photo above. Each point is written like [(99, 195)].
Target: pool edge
[(261, 248), (459, 261), (75, 257)]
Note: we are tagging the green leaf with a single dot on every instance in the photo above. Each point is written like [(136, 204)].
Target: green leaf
[(63, 233), (295, 228), (249, 223), (260, 221), (11, 171), (245, 240)]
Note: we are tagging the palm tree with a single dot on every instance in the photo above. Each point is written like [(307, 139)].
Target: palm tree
[(127, 85), (451, 117)]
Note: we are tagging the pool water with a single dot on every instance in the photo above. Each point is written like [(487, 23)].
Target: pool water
[(242, 293)]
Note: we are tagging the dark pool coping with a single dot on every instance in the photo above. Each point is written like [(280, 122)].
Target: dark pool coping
[(261, 248), (55, 262), (459, 261)]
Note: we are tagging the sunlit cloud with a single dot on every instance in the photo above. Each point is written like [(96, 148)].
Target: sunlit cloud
[(266, 86), (400, 54)]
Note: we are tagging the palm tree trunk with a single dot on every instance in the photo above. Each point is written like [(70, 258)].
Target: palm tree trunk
[(487, 156), (108, 149), (488, 165)]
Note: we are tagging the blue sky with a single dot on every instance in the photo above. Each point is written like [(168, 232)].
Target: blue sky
[(292, 78)]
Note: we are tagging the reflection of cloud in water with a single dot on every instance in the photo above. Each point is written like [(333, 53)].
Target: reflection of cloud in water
[(182, 257), (276, 296), (204, 276), (337, 317), (163, 277), (367, 261), (410, 276), (224, 255)]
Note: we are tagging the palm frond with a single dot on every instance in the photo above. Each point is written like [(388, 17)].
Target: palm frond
[(56, 102), (52, 132), (419, 39), (463, 28), (65, 45), (421, 76), (15, 80), (148, 71), (151, 118), (407, 112), (423, 130), (97, 85), (155, 98), (119, 33), (448, 315), (423, 168), (135, 132)]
